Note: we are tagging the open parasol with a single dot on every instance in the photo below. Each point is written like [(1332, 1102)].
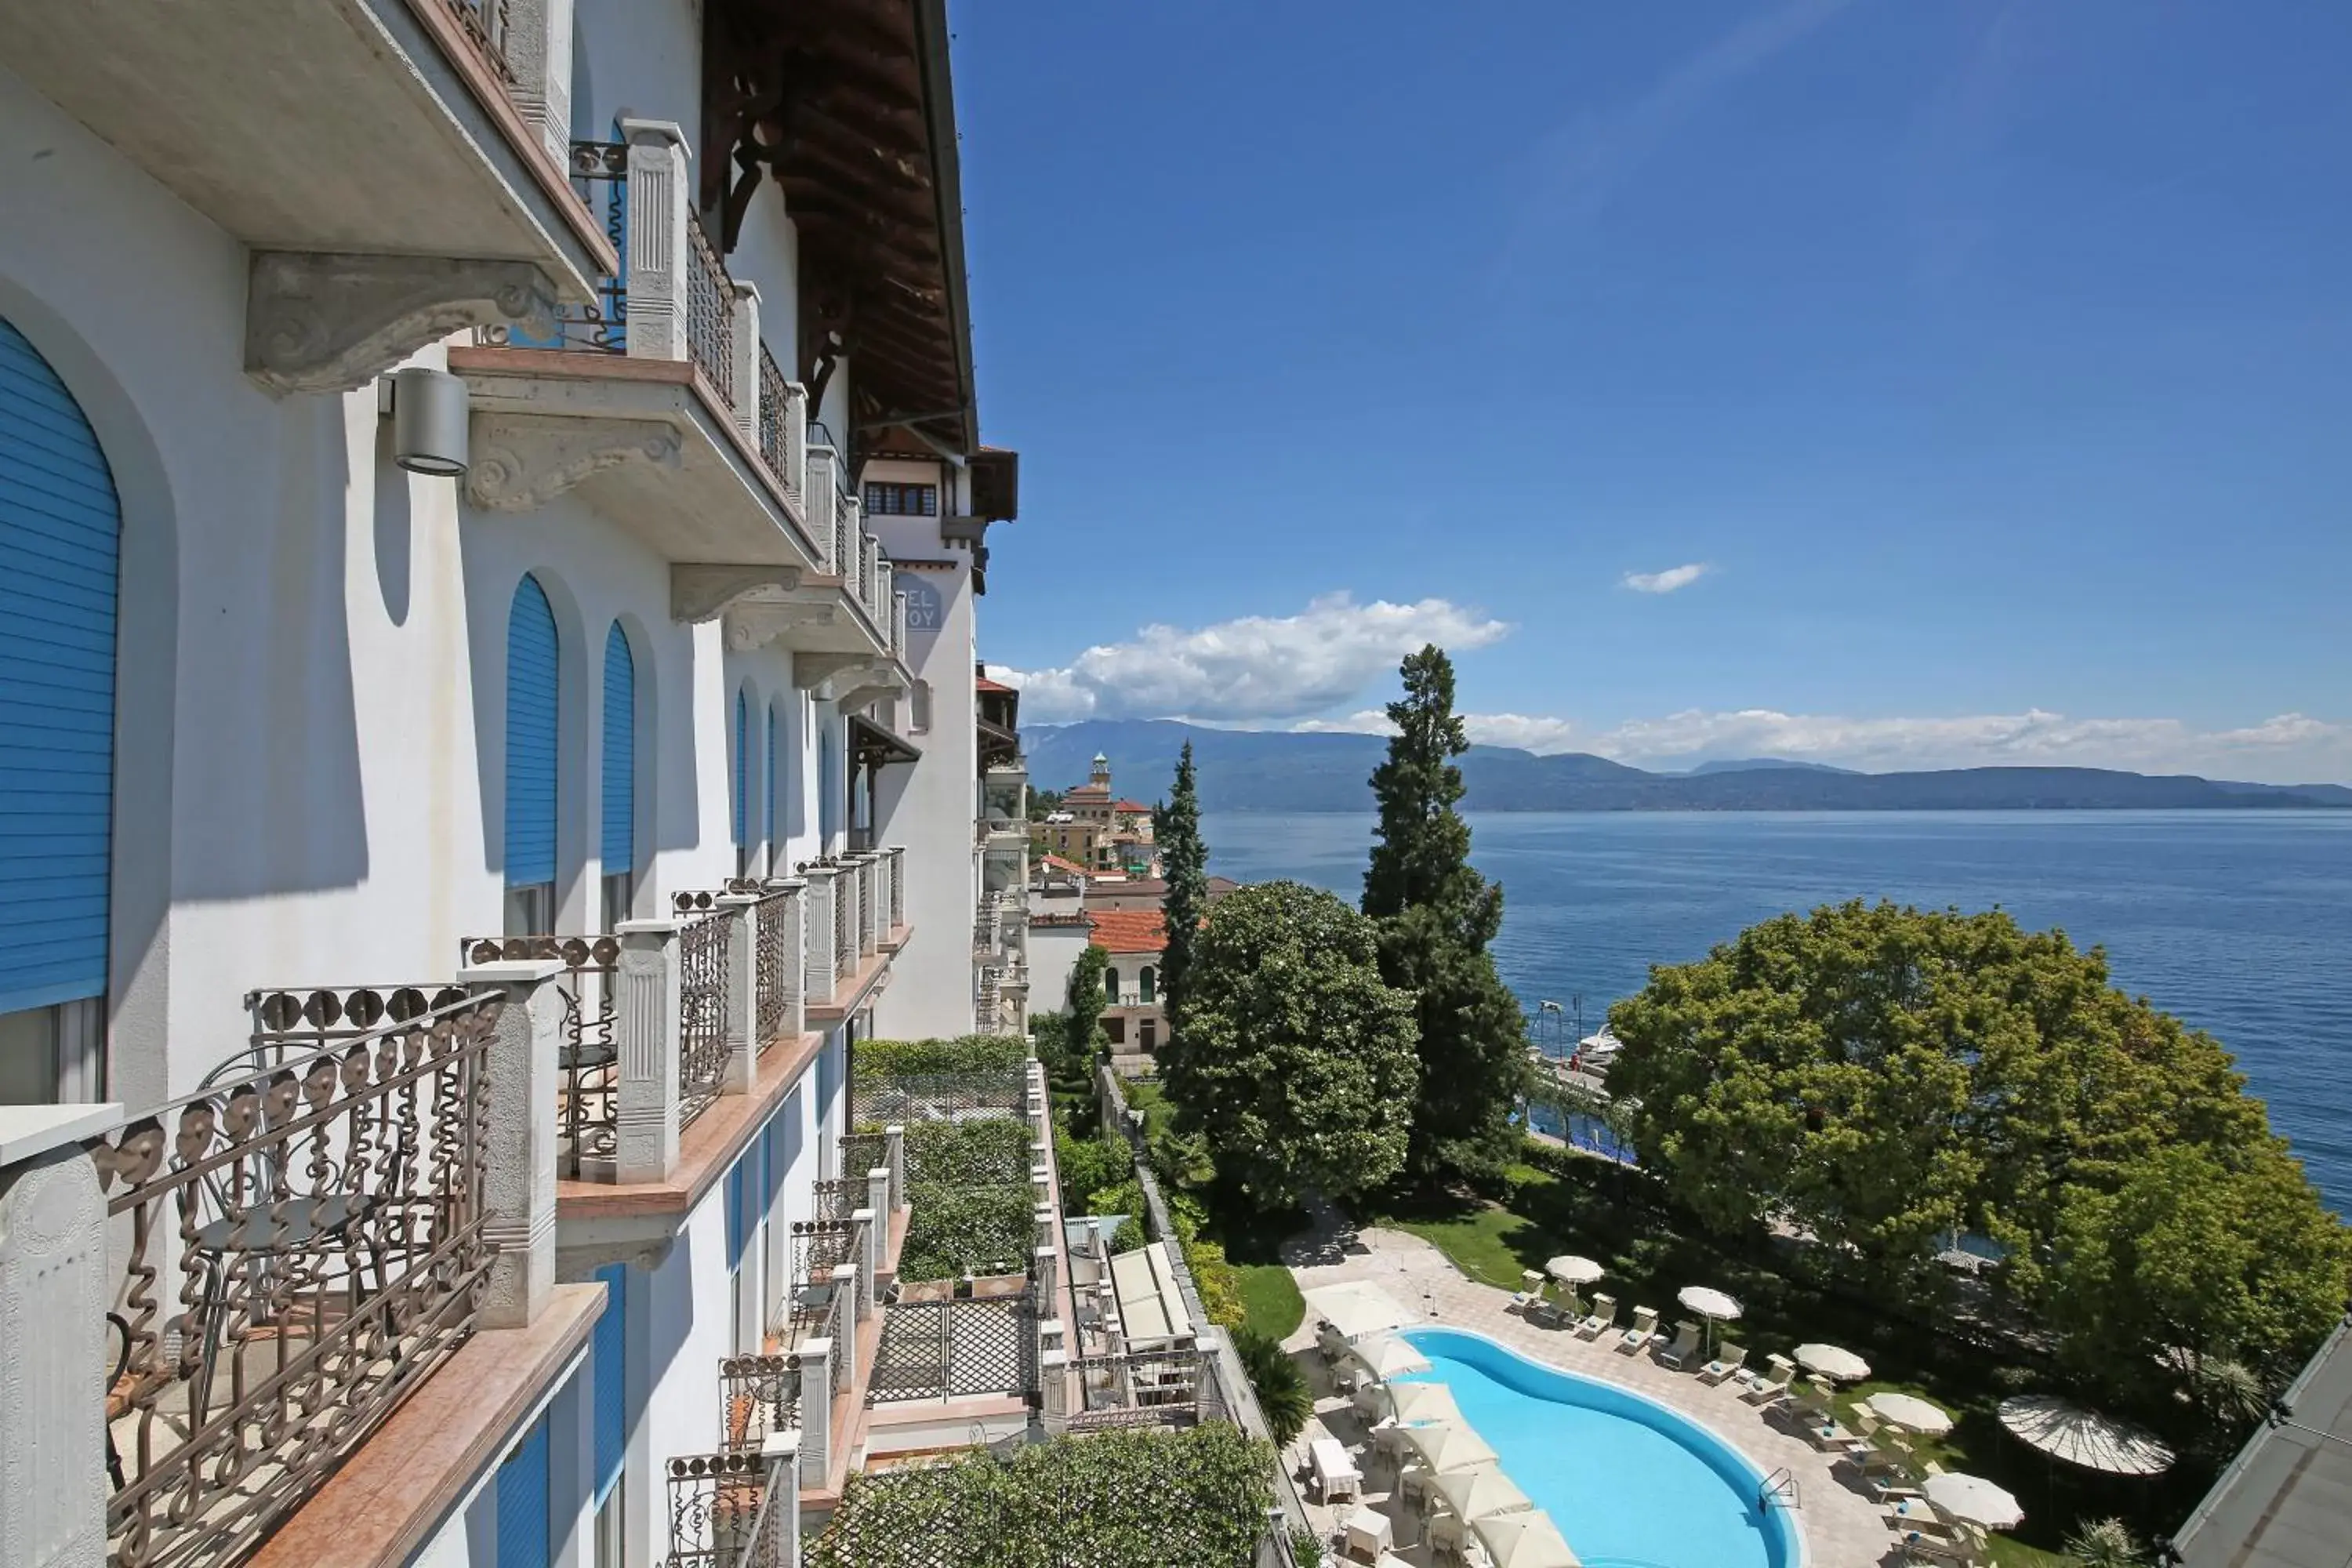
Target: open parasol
[(1909, 1412), (1356, 1308), (1830, 1361), (2064, 1430)]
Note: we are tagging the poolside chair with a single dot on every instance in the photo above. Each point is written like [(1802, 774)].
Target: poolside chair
[(1685, 1346), (1598, 1321), (1770, 1389), (1644, 1330), (1547, 1313), (1729, 1360)]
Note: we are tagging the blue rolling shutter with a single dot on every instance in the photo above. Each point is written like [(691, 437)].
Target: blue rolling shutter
[(619, 851), (611, 1353), (60, 528), (742, 769), (523, 1501), (770, 834), (740, 1215), (531, 704), (830, 791)]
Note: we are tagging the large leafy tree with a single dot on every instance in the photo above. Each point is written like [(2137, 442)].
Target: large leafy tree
[(1886, 1076), (1437, 916), (1184, 861), (1297, 1073)]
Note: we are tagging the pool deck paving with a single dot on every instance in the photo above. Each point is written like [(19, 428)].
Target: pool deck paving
[(1842, 1528)]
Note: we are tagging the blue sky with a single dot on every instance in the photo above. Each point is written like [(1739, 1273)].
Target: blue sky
[(1993, 362)]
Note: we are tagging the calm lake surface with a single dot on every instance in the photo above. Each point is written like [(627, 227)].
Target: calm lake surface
[(2240, 922)]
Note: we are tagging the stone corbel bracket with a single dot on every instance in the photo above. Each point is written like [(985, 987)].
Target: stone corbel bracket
[(860, 684), (525, 460), (333, 320), (755, 624), (813, 672), (699, 592)]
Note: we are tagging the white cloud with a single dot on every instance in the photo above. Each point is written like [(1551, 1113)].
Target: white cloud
[(1256, 668), (1530, 734), (1667, 581), (1363, 721)]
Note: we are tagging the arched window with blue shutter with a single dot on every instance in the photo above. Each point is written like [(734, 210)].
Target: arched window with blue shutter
[(610, 1351), (618, 848), (532, 703), (768, 797), (60, 537), (743, 783), (831, 785)]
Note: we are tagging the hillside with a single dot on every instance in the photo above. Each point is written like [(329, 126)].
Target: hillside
[(1248, 770)]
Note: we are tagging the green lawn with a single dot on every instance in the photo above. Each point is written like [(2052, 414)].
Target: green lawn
[(1276, 1307), (1602, 1216)]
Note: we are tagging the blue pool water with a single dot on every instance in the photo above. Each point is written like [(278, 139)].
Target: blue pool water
[(1629, 1483)]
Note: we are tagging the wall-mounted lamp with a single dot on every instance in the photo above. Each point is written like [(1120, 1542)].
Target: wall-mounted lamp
[(428, 410)]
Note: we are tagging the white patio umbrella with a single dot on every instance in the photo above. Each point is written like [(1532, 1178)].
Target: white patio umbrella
[(1356, 1308), (1973, 1499), (1410, 1403), (1909, 1412), (1711, 1304), (1570, 1270), (1830, 1362), (2064, 1430), (1524, 1541), (1479, 1491), (1448, 1445), (1386, 1356)]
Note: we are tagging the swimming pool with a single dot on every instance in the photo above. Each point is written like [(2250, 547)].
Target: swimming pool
[(1631, 1483)]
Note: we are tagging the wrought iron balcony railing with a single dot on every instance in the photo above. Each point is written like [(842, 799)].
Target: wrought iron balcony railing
[(305, 1244)]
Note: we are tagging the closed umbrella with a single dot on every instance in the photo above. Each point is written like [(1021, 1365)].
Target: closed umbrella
[(1570, 1270), (1973, 1499), (1524, 1541), (1356, 1308), (1711, 1304), (1448, 1445), (1909, 1412), (1830, 1362), (1481, 1490), (1386, 1356), (2064, 1430)]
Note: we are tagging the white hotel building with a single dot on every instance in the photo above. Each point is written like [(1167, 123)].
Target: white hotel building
[(491, 515)]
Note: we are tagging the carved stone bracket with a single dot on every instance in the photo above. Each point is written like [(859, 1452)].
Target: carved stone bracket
[(577, 1265), (525, 460), (699, 592), (332, 320), (812, 670), (860, 683), (753, 626)]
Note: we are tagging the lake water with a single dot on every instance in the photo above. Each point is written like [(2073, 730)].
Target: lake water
[(2240, 922)]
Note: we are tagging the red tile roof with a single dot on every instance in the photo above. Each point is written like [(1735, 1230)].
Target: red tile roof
[(1129, 930), (1061, 865), (1136, 806), (984, 684)]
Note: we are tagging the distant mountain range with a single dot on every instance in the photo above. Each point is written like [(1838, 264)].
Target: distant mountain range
[(1252, 770)]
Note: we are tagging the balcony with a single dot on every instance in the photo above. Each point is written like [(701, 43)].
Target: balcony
[(857, 921), (660, 402), (397, 166)]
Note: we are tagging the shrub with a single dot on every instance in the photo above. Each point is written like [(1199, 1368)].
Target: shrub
[(1282, 1393), (1088, 1165), (984, 1152), (1218, 1283), (955, 1230), (1190, 1498), (878, 1059)]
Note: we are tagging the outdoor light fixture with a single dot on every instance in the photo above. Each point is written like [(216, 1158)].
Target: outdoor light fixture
[(428, 410)]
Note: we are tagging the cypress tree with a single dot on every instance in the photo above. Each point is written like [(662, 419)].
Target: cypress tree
[(1185, 862), (1437, 916)]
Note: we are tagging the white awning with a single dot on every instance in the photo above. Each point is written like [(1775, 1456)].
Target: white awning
[(1150, 1307)]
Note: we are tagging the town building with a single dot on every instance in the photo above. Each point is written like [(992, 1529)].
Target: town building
[(1134, 1016), (1099, 830), (492, 521)]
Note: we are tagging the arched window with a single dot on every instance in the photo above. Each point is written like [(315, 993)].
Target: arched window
[(831, 786), (619, 849), (1110, 986), (743, 783), (774, 795), (1147, 983), (533, 700), (60, 538)]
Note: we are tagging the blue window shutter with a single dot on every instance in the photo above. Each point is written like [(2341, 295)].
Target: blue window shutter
[(619, 851), (829, 794), (531, 705), (523, 1502), (60, 527), (742, 768), (770, 834), (611, 1352), (739, 1216)]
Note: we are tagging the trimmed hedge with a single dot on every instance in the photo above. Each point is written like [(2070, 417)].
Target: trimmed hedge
[(878, 1060), (955, 1230), (1191, 1498), (988, 1150)]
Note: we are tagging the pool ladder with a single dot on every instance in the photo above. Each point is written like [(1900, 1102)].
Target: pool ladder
[(1779, 1490)]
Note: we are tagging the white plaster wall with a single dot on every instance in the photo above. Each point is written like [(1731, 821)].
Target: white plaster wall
[(1054, 951), (467, 1536), (638, 59)]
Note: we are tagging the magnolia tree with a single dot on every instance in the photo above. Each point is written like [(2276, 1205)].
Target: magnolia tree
[(1297, 1072)]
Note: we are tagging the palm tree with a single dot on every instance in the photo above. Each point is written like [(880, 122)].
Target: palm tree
[(1282, 1391), (2106, 1543)]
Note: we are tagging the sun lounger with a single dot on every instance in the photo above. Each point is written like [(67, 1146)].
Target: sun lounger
[(1772, 1388), (1644, 1330), (1729, 1360), (1685, 1346), (1597, 1322), (1548, 1315)]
